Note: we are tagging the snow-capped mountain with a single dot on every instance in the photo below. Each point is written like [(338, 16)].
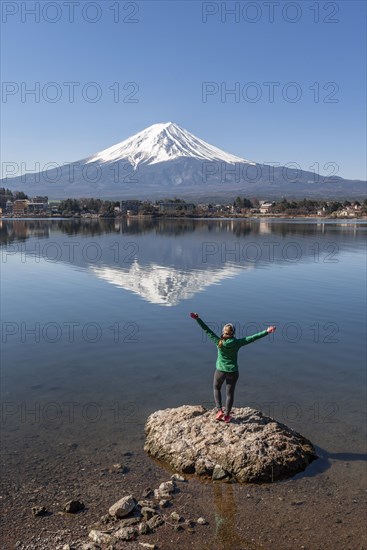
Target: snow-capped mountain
[(166, 160), (161, 143)]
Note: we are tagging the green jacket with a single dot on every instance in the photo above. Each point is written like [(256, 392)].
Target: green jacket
[(227, 354)]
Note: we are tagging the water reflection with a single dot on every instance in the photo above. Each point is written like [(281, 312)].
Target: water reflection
[(161, 285), (12, 229), (226, 535), (167, 261)]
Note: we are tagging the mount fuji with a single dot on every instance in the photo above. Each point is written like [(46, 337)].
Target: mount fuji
[(166, 160), (162, 143)]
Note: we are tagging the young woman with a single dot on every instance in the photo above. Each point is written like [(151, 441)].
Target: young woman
[(227, 366)]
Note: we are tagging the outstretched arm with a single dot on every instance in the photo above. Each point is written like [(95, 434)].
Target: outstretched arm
[(205, 327), (249, 339)]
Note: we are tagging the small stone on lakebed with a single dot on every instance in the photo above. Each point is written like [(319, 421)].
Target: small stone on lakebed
[(74, 506), (252, 448), (39, 511)]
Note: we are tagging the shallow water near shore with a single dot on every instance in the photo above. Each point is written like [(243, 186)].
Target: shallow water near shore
[(96, 335)]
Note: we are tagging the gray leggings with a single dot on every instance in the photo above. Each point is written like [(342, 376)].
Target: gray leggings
[(231, 379)]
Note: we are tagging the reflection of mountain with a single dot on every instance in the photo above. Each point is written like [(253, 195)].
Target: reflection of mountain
[(163, 285), (170, 261)]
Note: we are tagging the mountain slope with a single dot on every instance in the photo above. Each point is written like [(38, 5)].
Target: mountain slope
[(165, 160)]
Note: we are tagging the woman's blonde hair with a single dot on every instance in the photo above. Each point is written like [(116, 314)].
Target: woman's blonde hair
[(233, 328)]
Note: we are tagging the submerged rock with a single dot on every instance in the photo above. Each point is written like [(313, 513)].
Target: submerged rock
[(252, 448)]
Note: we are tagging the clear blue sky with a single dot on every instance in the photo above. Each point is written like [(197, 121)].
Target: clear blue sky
[(170, 51)]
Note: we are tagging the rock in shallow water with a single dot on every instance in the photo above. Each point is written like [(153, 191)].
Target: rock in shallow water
[(252, 448)]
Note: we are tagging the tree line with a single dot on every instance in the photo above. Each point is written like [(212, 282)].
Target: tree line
[(108, 208)]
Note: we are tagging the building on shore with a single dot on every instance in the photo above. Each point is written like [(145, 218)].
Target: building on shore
[(349, 211), (20, 207), (129, 207), (38, 204), (265, 207)]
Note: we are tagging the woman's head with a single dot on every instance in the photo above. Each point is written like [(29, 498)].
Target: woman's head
[(228, 331)]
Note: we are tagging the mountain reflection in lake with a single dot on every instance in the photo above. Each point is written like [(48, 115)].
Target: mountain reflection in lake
[(168, 261)]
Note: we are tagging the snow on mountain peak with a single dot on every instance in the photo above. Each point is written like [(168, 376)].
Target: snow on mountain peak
[(162, 142)]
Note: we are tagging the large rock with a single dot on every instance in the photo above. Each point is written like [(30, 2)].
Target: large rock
[(252, 448)]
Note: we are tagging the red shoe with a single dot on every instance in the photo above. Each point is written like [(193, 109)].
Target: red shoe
[(227, 418), (219, 415)]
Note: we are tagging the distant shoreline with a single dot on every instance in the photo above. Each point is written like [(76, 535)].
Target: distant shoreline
[(180, 217)]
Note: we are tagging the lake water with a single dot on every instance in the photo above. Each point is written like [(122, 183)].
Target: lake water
[(96, 332)]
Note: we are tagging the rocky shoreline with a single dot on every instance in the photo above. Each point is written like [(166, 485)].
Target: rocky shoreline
[(67, 499), (128, 519), (273, 516), (134, 519)]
